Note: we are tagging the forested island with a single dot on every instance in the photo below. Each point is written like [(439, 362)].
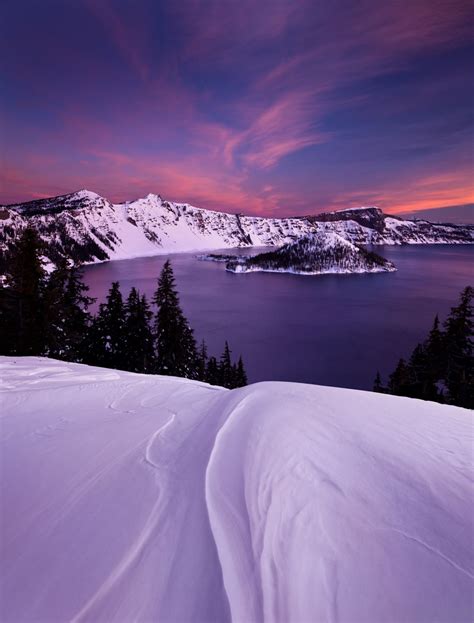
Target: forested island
[(314, 254)]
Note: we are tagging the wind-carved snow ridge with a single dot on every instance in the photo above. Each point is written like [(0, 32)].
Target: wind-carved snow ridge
[(135, 498), (322, 507)]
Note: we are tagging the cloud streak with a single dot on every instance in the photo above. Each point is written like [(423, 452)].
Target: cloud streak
[(306, 107)]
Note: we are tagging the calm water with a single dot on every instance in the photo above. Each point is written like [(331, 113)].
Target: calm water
[(331, 330)]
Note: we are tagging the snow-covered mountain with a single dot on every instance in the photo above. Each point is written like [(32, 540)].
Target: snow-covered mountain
[(89, 228), (369, 225), (144, 498), (314, 254)]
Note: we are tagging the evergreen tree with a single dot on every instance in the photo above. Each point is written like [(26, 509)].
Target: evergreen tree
[(399, 380), (49, 316), (55, 321), (417, 385), (435, 352), (67, 318), (22, 311), (459, 352), (7, 320), (96, 340), (189, 355), (212, 372), (202, 362), (442, 369), (76, 306), (233, 376), (226, 371), (240, 379), (106, 337), (378, 387), (138, 337), (175, 345)]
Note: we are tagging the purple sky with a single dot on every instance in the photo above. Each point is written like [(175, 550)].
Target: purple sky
[(271, 107)]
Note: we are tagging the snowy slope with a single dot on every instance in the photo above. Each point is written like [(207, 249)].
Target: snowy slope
[(138, 498), (89, 228)]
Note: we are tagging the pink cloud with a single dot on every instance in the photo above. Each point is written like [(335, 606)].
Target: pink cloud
[(414, 192), (279, 110), (281, 129)]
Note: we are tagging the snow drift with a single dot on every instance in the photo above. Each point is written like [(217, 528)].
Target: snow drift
[(136, 498)]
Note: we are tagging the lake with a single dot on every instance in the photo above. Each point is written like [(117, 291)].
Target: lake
[(329, 329)]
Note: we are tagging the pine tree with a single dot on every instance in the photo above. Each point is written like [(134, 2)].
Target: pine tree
[(96, 340), (67, 318), (106, 336), (442, 368), (435, 352), (138, 337), (189, 355), (226, 372), (55, 315), (115, 322), (459, 351), (417, 374), (399, 380), (233, 376), (202, 362), (22, 299), (378, 387), (7, 320), (175, 345), (212, 372), (240, 374), (76, 306)]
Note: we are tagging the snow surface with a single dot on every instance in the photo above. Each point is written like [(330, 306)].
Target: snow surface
[(137, 498)]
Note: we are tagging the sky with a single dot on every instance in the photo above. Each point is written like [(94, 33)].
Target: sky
[(264, 107)]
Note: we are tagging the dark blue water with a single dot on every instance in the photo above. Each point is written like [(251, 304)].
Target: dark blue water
[(329, 329)]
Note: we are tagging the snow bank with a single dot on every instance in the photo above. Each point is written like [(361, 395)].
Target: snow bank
[(337, 505), (135, 498)]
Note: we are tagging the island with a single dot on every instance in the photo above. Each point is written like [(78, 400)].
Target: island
[(314, 254)]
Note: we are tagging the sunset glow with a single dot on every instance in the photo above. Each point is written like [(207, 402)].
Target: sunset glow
[(281, 108)]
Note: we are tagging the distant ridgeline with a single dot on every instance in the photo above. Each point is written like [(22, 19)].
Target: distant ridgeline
[(442, 367), (47, 315), (88, 228)]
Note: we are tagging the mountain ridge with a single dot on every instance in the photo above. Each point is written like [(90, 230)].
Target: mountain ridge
[(88, 228)]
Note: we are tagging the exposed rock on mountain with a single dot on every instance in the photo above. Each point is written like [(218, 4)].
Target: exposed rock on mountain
[(88, 228)]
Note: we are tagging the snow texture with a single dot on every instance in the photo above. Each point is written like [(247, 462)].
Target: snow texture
[(137, 498)]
